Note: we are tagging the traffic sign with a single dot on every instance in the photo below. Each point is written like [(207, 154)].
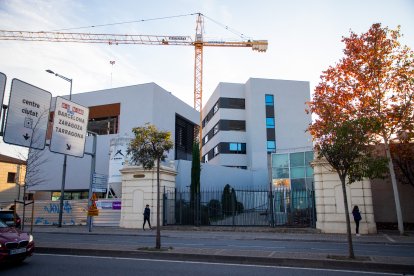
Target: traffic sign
[(27, 115), (3, 79), (70, 125)]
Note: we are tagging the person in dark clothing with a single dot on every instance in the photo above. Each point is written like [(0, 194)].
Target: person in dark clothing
[(147, 214), (357, 218)]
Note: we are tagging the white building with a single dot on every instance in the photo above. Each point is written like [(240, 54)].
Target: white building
[(113, 113), (244, 123)]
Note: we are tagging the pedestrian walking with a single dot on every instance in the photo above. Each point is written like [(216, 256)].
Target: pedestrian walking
[(147, 214), (357, 218)]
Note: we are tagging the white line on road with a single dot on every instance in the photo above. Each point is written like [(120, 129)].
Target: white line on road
[(389, 238), (218, 264)]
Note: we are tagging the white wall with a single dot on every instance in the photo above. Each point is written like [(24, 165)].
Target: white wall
[(139, 104)]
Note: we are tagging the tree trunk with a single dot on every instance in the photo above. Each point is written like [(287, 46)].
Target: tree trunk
[(394, 187), (348, 222), (158, 239)]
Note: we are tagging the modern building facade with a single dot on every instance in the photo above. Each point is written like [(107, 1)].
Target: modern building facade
[(244, 123), (114, 113)]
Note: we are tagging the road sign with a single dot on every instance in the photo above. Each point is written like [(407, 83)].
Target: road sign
[(27, 115), (3, 79), (70, 125)]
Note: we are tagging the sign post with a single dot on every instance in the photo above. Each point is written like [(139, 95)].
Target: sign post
[(3, 79), (27, 116)]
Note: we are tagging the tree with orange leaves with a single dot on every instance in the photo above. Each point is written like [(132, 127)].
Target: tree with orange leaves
[(375, 80)]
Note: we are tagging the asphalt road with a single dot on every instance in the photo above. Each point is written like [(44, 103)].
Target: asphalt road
[(328, 247), (62, 265)]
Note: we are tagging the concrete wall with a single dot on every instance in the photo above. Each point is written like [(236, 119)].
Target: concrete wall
[(330, 211), (384, 202), (139, 187), (139, 104)]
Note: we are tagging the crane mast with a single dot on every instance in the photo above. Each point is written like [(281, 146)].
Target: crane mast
[(116, 39)]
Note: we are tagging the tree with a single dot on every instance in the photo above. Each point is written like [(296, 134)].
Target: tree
[(149, 146), (195, 182), (374, 80), (344, 146), (403, 156)]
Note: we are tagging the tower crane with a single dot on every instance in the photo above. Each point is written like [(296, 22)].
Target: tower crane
[(114, 39)]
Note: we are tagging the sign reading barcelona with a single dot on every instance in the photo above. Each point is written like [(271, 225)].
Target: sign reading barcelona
[(70, 125)]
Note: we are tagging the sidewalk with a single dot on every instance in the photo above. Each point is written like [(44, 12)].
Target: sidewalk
[(265, 257)]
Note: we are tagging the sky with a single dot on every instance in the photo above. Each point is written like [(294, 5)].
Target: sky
[(304, 39)]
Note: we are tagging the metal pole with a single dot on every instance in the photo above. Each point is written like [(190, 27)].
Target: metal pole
[(3, 120), (93, 169), (62, 189)]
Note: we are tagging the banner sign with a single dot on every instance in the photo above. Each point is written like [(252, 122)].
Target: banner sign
[(70, 125), (27, 115)]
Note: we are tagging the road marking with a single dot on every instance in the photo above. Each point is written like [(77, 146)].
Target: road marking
[(389, 238), (218, 264), (256, 246)]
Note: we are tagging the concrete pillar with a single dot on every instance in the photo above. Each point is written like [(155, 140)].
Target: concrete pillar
[(330, 211), (139, 188)]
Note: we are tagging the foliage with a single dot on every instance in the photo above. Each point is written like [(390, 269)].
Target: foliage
[(375, 81), (149, 145), (214, 207), (229, 202), (403, 156)]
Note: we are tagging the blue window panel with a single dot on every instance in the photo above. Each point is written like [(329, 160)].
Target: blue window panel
[(309, 172), (280, 160), (270, 122), (308, 157), (297, 159), (269, 99), (235, 146), (298, 172), (271, 146)]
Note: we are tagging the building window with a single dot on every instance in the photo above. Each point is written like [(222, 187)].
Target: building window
[(11, 177), (271, 146), (215, 108), (216, 129), (103, 126), (270, 122), (238, 148), (269, 99), (206, 139), (216, 150), (206, 158)]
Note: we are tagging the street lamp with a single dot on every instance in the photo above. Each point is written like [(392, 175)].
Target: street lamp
[(62, 190)]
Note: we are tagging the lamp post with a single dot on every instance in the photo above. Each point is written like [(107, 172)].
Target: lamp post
[(62, 189)]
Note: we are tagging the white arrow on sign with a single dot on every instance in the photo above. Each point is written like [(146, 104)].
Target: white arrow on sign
[(70, 125), (27, 115)]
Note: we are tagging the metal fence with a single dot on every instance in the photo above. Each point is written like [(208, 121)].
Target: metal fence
[(282, 207)]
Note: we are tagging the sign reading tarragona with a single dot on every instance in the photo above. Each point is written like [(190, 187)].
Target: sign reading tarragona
[(70, 124)]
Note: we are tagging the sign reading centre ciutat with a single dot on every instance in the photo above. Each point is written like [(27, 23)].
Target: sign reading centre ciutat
[(70, 124), (27, 115)]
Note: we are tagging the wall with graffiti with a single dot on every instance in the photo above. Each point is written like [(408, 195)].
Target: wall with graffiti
[(46, 212)]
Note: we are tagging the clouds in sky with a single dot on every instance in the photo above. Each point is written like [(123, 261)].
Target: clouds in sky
[(304, 39)]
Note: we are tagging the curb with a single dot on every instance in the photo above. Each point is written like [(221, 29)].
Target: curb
[(276, 261)]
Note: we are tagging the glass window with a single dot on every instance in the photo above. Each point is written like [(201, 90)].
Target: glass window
[(235, 146), (298, 184), (271, 146), (309, 172), (298, 172), (216, 129), (11, 177), (103, 126), (280, 160), (269, 99), (308, 157), (297, 159), (270, 122), (215, 108), (206, 158), (216, 150), (206, 139), (280, 172)]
